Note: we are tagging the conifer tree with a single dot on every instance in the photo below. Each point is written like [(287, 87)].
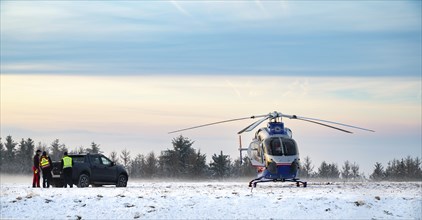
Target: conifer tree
[(57, 150), (220, 165), (2, 153), (95, 149), (346, 170), (137, 166), (378, 173), (306, 168), (28, 154), (43, 147), (10, 151), (328, 171), (151, 165), (199, 167), (354, 168), (180, 161), (21, 156)]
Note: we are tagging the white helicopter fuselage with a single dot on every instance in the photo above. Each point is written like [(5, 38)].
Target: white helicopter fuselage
[(274, 153)]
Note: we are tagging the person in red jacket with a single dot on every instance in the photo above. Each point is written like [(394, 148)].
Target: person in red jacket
[(36, 170)]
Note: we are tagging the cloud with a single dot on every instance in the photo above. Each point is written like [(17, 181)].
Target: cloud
[(234, 38), (180, 8), (236, 91), (298, 88), (91, 19), (79, 20)]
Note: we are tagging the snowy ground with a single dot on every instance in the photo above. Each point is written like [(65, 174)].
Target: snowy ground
[(214, 200)]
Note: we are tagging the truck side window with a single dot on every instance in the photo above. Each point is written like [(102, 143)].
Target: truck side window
[(78, 159), (95, 160), (105, 161)]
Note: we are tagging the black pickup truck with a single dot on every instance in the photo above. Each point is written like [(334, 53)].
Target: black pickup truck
[(91, 169)]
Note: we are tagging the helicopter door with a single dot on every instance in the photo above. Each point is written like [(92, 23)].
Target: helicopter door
[(256, 154)]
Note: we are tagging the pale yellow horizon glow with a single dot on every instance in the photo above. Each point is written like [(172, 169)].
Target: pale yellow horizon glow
[(143, 102), (136, 112)]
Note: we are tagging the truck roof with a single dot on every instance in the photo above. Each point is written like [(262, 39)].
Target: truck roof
[(84, 154)]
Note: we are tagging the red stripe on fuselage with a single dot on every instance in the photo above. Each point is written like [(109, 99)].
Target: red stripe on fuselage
[(278, 164), (284, 164)]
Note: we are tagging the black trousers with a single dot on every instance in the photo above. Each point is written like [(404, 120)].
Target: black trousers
[(46, 177), (67, 175)]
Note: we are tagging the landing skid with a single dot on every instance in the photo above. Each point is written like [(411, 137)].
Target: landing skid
[(254, 182)]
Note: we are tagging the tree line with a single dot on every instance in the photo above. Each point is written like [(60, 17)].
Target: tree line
[(183, 161), (405, 169)]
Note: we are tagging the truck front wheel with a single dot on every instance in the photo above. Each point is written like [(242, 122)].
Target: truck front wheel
[(121, 181), (83, 181)]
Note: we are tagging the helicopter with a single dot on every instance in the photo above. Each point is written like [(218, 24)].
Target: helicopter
[(273, 151)]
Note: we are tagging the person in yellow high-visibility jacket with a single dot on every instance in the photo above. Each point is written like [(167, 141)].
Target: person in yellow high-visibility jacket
[(46, 165), (67, 164)]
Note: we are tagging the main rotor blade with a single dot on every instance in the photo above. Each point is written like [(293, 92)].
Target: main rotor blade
[(325, 125), (219, 122), (331, 122), (253, 125)]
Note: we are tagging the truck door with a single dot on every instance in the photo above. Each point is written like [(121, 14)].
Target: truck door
[(96, 168), (109, 171)]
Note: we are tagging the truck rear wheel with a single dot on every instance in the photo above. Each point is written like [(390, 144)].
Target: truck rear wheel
[(83, 181), (121, 181)]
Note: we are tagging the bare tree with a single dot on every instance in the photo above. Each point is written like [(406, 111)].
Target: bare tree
[(114, 157), (125, 157)]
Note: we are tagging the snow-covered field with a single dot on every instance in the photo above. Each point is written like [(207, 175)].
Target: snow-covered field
[(214, 200)]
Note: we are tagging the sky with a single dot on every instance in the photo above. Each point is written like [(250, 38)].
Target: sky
[(125, 73)]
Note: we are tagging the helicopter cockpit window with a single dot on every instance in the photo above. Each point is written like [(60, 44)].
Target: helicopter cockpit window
[(281, 147), (276, 147), (289, 147)]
